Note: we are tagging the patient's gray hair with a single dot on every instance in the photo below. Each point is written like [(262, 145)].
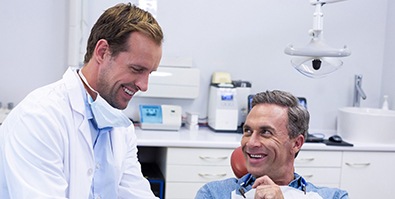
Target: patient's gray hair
[(298, 116)]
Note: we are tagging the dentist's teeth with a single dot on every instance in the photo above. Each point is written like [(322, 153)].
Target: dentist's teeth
[(128, 91)]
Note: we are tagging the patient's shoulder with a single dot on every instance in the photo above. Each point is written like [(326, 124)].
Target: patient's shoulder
[(327, 192)]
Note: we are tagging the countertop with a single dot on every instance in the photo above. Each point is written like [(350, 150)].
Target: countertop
[(206, 138)]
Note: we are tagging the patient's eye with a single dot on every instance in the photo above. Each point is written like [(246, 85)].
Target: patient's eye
[(266, 132), (247, 132)]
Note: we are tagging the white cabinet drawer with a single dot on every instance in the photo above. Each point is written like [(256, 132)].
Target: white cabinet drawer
[(201, 156), (368, 174), (320, 176), (189, 173), (319, 159), (182, 190)]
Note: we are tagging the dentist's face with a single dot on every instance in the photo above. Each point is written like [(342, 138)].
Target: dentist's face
[(120, 77), (266, 145)]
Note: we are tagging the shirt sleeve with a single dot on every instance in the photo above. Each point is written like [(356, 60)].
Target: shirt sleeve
[(32, 152), (204, 193)]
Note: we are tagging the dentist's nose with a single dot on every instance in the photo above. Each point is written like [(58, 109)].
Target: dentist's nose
[(142, 83)]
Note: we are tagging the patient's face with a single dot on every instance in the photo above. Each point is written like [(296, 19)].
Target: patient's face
[(266, 145)]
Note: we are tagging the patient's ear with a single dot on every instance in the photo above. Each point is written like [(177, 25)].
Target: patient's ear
[(297, 143)]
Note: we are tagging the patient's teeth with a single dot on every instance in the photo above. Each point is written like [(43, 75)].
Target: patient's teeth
[(255, 156)]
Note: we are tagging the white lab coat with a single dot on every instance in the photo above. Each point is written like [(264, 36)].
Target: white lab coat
[(46, 147)]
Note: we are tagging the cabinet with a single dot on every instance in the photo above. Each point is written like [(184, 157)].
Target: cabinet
[(188, 161), (368, 174), (188, 169), (322, 168)]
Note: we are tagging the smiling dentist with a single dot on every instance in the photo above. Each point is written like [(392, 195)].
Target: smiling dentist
[(70, 139)]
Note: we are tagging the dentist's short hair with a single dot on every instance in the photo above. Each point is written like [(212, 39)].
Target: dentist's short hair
[(116, 25)]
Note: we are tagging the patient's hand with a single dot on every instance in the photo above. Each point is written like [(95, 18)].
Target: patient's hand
[(267, 189)]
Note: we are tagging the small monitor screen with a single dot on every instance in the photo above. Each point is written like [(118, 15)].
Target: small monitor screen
[(303, 102), (151, 114), (250, 97), (227, 97)]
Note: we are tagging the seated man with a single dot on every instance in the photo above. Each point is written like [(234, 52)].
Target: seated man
[(273, 134)]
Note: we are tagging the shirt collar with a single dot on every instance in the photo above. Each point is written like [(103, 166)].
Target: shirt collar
[(299, 182), (248, 180)]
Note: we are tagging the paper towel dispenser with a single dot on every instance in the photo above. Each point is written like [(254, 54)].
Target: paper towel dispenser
[(173, 82)]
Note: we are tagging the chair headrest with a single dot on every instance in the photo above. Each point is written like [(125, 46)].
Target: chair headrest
[(238, 162)]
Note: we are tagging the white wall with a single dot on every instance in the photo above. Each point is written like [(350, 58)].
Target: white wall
[(33, 39), (245, 38), (388, 82), (248, 40)]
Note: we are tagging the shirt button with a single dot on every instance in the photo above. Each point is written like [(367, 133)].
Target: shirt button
[(90, 171), (98, 166), (98, 197)]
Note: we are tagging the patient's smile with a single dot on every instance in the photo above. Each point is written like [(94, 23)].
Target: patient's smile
[(255, 156)]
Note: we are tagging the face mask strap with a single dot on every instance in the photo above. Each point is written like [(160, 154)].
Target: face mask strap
[(86, 82)]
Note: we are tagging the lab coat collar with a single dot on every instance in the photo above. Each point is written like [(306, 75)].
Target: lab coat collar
[(76, 90), (76, 94)]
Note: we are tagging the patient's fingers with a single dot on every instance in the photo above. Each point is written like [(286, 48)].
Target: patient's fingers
[(266, 189), (264, 180), (268, 192)]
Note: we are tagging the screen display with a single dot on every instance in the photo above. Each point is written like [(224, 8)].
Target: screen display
[(227, 97), (151, 114), (303, 102)]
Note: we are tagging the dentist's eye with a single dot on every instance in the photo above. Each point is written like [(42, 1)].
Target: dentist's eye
[(137, 69)]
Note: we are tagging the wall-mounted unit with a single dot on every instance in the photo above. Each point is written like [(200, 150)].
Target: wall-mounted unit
[(175, 78)]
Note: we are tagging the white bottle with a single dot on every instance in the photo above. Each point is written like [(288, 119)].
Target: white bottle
[(2, 113), (385, 103)]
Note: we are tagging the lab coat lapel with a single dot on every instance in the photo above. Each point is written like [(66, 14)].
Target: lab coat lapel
[(77, 103), (81, 163)]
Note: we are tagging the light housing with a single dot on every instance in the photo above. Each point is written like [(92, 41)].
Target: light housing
[(317, 59)]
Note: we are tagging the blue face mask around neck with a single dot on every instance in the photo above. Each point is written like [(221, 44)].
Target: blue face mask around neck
[(104, 114)]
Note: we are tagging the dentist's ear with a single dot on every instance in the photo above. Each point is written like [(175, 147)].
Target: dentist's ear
[(100, 51)]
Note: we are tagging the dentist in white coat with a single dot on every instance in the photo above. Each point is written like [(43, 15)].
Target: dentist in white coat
[(70, 139)]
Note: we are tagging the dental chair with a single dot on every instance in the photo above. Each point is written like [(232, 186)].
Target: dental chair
[(238, 162)]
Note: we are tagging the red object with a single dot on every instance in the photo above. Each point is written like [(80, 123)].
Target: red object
[(238, 162)]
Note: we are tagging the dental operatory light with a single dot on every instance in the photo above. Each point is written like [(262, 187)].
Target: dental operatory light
[(317, 59)]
